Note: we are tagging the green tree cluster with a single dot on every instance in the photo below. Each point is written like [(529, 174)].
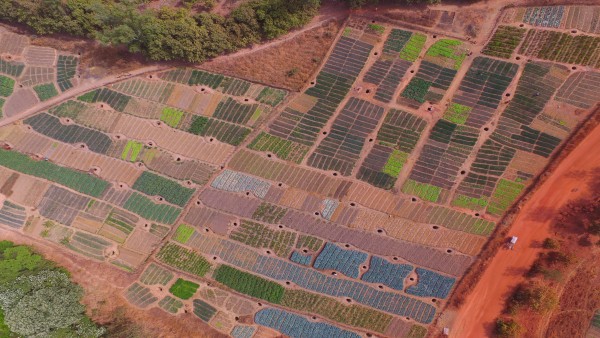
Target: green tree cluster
[(163, 34), (38, 299), (361, 3)]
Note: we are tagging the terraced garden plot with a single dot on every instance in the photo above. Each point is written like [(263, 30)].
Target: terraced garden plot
[(260, 236), (39, 56), (242, 206), (429, 84), (447, 53), (347, 262), (156, 275), (183, 259), (21, 100), (51, 126), (584, 18), (332, 84), (118, 225), (201, 217), (537, 85), (387, 74), (7, 86), (283, 149), (249, 284), (170, 304), (302, 259), (12, 43), (480, 91), (62, 205), (156, 91), (312, 280), (171, 116), (11, 68), (197, 77), (75, 180), (155, 185), (311, 243), (33, 76), (149, 210), (490, 164), (440, 161), (140, 296), (522, 137), (88, 245), (396, 139), (580, 89), (341, 148), (66, 68), (114, 99), (223, 131), (232, 111), (45, 91), (504, 41), (396, 40), (562, 47), (294, 325), (183, 289), (242, 331), (164, 163), (546, 16), (203, 310), (271, 96), (87, 115), (12, 215), (143, 241), (353, 315)]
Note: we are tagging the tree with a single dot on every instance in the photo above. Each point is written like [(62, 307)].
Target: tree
[(551, 244), (507, 328)]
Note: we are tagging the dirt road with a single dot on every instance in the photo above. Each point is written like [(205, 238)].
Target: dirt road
[(532, 225)]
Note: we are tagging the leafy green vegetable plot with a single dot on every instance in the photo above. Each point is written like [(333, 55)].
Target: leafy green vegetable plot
[(449, 49), (249, 284), (152, 184), (505, 194), (183, 233), (198, 125), (171, 116), (425, 191), (467, 202), (6, 86), (416, 89), (45, 91), (183, 259), (132, 150), (413, 47), (395, 162), (457, 113), (379, 29), (183, 289)]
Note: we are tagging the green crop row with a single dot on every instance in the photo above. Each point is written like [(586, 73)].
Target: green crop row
[(395, 162), (260, 236), (271, 96), (309, 242), (152, 184), (413, 47), (425, 191), (249, 284), (353, 315), (76, 180), (183, 289), (131, 151), (183, 233), (183, 259), (171, 116), (457, 113), (505, 194), (284, 149), (45, 91), (269, 213), (416, 89), (143, 206), (7, 86), (223, 131), (504, 42), (379, 29), (450, 49), (467, 202)]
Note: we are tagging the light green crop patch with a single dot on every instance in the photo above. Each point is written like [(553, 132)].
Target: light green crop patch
[(505, 194), (425, 191), (171, 116), (457, 113), (467, 202), (45, 91), (255, 115), (1, 105), (449, 49), (379, 29), (347, 31), (183, 233), (395, 162), (132, 151), (413, 47)]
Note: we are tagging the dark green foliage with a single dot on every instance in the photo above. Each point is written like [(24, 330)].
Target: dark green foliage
[(507, 328), (417, 89), (249, 284), (551, 243), (198, 125), (184, 259), (183, 289), (152, 184), (165, 33), (221, 130)]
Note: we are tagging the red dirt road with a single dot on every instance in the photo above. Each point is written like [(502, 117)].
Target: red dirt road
[(532, 225)]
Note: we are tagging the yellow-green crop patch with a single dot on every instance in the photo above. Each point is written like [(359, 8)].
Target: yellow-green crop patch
[(468, 202), (425, 191), (505, 194), (450, 50), (171, 116), (183, 233), (395, 162), (413, 47), (131, 151), (457, 113)]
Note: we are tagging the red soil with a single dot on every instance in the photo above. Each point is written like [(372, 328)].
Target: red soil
[(569, 181)]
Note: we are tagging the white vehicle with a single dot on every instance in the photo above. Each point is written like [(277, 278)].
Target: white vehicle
[(511, 243)]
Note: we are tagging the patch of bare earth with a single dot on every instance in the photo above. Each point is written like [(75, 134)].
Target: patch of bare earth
[(290, 64)]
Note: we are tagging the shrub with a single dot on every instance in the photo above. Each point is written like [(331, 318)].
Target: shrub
[(557, 257), (550, 244), (507, 328), (539, 298)]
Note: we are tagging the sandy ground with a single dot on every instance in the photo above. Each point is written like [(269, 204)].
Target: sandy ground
[(532, 225)]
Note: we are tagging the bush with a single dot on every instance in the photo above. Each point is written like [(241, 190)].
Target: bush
[(537, 297), (550, 244), (557, 257), (507, 328)]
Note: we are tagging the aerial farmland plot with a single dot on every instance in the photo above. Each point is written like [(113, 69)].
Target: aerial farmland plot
[(352, 208)]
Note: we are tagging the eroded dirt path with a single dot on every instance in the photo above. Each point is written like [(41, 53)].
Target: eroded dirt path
[(532, 225)]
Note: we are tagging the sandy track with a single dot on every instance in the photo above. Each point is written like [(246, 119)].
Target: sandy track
[(569, 181)]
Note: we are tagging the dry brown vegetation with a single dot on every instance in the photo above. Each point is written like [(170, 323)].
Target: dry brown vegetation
[(289, 64)]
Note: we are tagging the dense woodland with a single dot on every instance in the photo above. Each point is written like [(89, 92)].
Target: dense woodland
[(168, 33)]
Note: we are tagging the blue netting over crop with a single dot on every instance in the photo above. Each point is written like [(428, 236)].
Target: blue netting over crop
[(431, 284), (301, 258), (345, 261), (234, 181), (383, 272), (329, 207), (243, 331), (297, 326)]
